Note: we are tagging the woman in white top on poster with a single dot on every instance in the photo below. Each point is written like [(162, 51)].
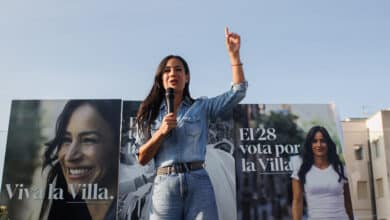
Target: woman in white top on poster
[(322, 178)]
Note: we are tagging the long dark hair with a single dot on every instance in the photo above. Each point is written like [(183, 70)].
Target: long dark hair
[(109, 110), (150, 107), (308, 158)]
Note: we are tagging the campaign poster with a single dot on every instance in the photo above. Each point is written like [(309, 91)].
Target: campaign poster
[(61, 159), (268, 141), (136, 181)]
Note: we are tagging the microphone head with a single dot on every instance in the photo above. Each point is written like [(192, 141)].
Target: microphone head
[(169, 91), (170, 96)]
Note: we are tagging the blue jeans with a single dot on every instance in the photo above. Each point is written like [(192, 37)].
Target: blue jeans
[(183, 196)]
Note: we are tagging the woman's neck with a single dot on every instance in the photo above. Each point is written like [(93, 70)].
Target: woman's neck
[(321, 162), (98, 210)]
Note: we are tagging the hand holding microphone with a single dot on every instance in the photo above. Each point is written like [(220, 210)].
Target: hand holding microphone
[(169, 122)]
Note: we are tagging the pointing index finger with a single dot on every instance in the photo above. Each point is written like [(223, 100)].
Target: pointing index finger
[(226, 31)]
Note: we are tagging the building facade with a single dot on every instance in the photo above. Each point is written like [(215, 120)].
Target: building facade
[(367, 155)]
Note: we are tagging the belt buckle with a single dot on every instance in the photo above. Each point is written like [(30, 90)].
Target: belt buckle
[(180, 168)]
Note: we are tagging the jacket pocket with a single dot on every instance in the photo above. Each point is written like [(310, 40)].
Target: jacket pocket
[(192, 126)]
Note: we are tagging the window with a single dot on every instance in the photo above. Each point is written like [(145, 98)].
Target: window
[(379, 187), (362, 190), (358, 152)]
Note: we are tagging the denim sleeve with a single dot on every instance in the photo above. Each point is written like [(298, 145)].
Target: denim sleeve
[(227, 100)]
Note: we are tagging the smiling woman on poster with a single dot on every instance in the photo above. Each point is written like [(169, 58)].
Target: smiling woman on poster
[(322, 178), (83, 164), (177, 141)]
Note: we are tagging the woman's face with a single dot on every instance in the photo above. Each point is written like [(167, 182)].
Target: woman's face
[(319, 146), (174, 75), (86, 149)]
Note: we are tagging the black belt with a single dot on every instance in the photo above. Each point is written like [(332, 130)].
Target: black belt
[(180, 168)]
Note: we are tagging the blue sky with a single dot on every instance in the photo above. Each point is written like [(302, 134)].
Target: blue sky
[(293, 51)]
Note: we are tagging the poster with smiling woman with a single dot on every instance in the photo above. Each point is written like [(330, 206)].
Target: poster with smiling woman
[(289, 163), (61, 159)]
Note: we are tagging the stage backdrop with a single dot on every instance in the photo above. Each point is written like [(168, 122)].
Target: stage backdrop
[(250, 157)]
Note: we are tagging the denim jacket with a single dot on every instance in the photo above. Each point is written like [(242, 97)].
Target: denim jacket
[(187, 142)]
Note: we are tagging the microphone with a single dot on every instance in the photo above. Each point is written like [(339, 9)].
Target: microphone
[(170, 97)]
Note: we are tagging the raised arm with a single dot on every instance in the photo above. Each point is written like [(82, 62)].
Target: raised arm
[(233, 43)]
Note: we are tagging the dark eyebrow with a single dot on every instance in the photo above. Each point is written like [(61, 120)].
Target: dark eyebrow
[(174, 66), (85, 133)]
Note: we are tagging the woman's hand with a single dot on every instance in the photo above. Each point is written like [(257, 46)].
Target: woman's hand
[(168, 123), (233, 43), (148, 150)]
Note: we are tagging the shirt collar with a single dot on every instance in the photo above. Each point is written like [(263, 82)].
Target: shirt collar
[(186, 102)]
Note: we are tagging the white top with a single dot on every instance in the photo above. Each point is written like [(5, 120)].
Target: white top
[(324, 194)]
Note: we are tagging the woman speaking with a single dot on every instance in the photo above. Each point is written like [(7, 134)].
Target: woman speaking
[(177, 139)]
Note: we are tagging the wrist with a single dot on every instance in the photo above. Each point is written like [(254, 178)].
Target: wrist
[(161, 133), (235, 59), (236, 64)]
